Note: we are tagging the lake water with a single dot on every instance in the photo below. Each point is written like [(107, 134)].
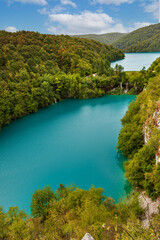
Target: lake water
[(136, 61), (73, 141)]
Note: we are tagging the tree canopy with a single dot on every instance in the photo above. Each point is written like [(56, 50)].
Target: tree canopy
[(146, 39), (75, 211), (37, 70), (140, 122), (107, 38)]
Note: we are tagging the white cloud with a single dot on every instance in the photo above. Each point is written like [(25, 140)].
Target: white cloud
[(38, 2), (56, 9), (52, 29), (137, 25), (69, 2), (86, 22), (115, 2), (152, 7), (11, 29), (43, 11)]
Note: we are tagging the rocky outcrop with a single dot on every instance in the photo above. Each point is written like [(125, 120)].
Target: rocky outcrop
[(158, 156), (126, 87), (147, 130), (156, 118), (150, 208), (151, 123), (87, 237)]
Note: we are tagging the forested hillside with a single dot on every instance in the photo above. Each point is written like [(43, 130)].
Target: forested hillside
[(146, 39), (37, 70), (69, 212), (107, 38), (139, 137)]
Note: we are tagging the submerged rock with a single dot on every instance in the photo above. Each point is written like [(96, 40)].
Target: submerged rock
[(87, 237)]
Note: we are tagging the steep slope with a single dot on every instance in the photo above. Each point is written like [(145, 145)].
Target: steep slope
[(107, 38), (146, 39), (139, 139)]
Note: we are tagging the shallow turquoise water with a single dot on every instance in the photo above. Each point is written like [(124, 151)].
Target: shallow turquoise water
[(73, 141), (136, 61)]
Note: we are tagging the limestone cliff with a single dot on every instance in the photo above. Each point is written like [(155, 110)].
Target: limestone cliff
[(152, 122)]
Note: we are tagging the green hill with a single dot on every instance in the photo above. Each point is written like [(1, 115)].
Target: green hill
[(107, 38), (38, 69), (146, 39)]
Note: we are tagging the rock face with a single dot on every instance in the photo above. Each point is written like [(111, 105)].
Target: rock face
[(151, 123), (150, 208), (158, 156), (156, 117), (87, 237), (146, 132)]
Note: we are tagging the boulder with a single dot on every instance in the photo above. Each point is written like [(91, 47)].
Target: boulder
[(87, 237)]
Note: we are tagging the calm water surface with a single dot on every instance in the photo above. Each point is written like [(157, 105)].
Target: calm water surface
[(71, 142), (136, 61)]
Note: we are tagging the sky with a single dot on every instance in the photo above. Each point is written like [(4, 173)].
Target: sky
[(77, 16)]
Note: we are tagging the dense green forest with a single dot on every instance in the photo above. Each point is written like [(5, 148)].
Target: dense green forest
[(37, 70), (140, 123), (70, 212), (146, 39), (107, 38)]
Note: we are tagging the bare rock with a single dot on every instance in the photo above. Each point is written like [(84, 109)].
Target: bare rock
[(150, 207), (87, 237)]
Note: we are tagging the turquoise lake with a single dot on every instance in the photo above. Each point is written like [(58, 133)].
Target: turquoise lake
[(136, 61), (73, 141)]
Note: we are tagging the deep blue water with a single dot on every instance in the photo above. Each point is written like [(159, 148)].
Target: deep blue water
[(73, 141), (136, 61)]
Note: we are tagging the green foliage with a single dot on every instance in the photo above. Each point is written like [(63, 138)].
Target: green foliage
[(130, 140), (131, 135), (140, 164), (146, 39), (107, 38), (3, 224), (40, 201), (15, 213), (141, 169), (13, 224), (37, 70), (72, 214)]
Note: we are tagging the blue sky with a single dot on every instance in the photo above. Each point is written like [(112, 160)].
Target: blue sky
[(77, 16)]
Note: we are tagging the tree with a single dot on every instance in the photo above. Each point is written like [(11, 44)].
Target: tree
[(3, 225), (40, 201)]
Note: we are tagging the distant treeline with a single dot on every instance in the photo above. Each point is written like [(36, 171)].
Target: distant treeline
[(107, 38), (146, 39)]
